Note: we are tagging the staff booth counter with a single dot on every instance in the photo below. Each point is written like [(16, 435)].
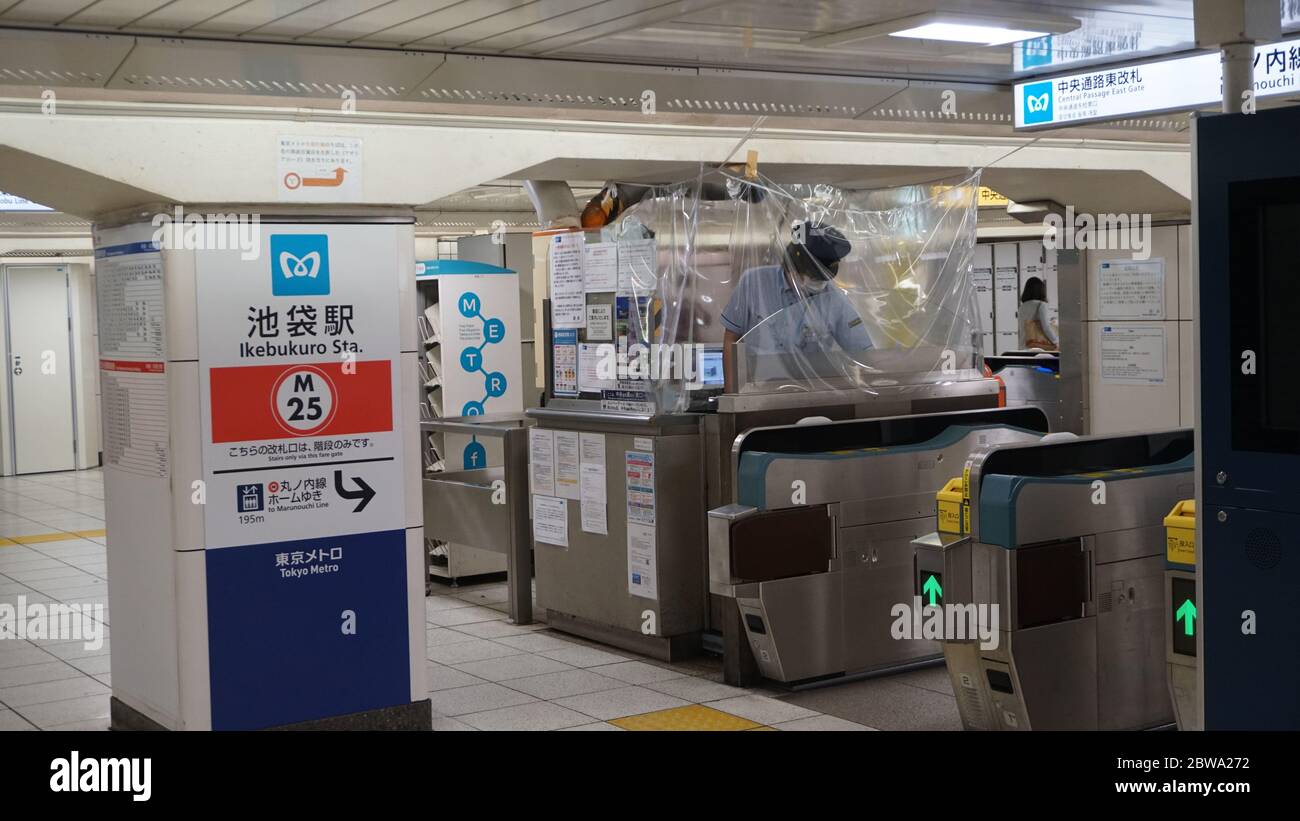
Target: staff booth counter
[(790, 304)]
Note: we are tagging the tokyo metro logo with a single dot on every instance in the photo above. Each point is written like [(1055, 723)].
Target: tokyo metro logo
[(300, 265), (1038, 106), (1036, 52)]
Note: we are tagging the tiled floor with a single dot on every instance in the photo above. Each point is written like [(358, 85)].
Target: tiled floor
[(52, 550), (483, 672)]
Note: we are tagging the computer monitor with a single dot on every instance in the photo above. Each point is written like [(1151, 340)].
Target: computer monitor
[(708, 367)]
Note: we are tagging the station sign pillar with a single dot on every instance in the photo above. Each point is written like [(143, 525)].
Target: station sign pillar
[(262, 494)]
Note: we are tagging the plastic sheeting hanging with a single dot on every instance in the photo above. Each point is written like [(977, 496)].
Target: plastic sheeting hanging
[(824, 288)]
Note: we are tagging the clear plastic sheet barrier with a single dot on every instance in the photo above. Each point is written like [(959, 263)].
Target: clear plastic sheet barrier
[(822, 288)]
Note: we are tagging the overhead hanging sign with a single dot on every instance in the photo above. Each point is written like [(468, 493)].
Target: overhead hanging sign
[(1175, 84), (1103, 37), (13, 202)]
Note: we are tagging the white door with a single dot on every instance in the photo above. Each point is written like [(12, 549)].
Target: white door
[(42, 434)]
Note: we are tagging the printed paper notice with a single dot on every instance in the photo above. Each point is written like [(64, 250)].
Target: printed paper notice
[(593, 448), (640, 471), (566, 464), (636, 267), (568, 297), (564, 360), (551, 520), (593, 499), (1133, 355), (132, 370), (1131, 289), (541, 461), (130, 302), (600, 267), (593, 476), (589, 358), (600, 323), (319, 169), (134, 400), (642, 575)]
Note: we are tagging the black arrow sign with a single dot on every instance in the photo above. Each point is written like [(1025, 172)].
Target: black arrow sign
[(365, 494)]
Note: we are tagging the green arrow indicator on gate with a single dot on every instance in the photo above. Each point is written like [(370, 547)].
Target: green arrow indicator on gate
[(932, 587), (1187, 614)]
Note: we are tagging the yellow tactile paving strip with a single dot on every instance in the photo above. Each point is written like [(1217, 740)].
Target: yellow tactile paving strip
[(690, 717), (38, 538)]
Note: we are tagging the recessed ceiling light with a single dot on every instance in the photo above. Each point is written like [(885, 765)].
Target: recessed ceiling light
[(956, 27), (969, 33)]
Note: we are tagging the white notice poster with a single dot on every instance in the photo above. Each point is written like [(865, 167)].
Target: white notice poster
[(319, 169), (600, 323), (593, 448), (594, 505), (1133, 355), (566, 464), (551, 520), (1131, 289), (600, 267), (593, 478), (568, 296), (541, 461), (636, 267), (642, 575), (589, 361), (132, 367)]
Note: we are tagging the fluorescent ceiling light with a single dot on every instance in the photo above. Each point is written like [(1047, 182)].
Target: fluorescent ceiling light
[(969, 33), (956, 27)]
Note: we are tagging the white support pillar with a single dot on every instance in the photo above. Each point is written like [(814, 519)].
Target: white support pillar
[(262, 493)]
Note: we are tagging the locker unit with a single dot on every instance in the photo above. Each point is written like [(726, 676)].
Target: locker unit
[(1037, 260), (982, 278), (1006, 297)]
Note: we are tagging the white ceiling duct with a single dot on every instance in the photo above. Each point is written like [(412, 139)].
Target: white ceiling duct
[(554, 203)]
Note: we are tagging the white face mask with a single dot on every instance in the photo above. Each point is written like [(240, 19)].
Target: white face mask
[(815, 286)]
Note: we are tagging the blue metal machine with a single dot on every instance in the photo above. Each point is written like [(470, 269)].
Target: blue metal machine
[(1247, 218)]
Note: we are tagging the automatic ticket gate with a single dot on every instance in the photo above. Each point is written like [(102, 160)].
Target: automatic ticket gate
[(1064, 571), (1181, 616), (818, 552)]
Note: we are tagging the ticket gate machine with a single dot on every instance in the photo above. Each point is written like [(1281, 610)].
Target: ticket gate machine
[(818, 550), (1034, 378), (1066, 559), (1247, 204), (1181, 615)]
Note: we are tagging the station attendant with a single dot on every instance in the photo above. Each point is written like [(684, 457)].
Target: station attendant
[(790, 307), (1035, 319)]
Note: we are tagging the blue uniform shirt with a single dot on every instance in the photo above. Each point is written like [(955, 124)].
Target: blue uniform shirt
[(792, 324)]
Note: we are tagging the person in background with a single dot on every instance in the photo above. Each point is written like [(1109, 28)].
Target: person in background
[(803, 281), (1035, 319)]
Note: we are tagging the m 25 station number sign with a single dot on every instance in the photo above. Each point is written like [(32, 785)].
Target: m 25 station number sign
[(302, 459), (1174, 84)]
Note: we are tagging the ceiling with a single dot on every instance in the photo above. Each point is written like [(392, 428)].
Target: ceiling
[(749, 34)]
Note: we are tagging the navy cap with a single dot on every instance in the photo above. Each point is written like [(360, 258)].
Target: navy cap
[(820, 252)]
